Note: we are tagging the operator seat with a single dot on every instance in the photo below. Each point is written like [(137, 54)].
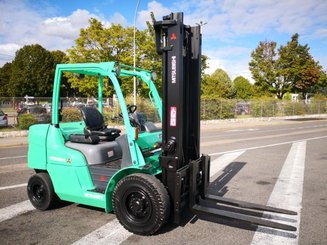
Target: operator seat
[(95, 125)]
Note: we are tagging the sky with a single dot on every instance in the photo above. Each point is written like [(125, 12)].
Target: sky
[(232, 28)]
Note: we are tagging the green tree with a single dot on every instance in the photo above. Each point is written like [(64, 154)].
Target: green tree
[(292, 69), (5, 73), (32, 72), (297, 66), (243, 88), (97, 43), (217, 85), (263, 69), (60, 57), (320, 88)]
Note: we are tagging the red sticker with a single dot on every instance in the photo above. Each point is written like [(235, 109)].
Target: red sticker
[(173, 116)]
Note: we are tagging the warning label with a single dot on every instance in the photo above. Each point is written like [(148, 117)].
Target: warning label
[(173, 115)]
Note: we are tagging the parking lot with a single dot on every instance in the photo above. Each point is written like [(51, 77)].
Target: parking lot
[(281, 164)]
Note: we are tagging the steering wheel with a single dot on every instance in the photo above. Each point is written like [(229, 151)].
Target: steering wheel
[(130, 109)]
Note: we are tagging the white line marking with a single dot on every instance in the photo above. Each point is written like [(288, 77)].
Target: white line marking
[(222, 162), (266, 146), (269, 130), (286, 194), (14, 210), (110, 233), (12, 186), (242, 130), (6, 158)]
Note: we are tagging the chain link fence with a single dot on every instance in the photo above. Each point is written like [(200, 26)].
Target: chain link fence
[(210, 109), (224, 109)]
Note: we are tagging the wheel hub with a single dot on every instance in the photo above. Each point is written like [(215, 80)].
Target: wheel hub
[(38, 191), (138, 205)]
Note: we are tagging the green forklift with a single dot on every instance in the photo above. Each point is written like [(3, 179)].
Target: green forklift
[(148, 174)]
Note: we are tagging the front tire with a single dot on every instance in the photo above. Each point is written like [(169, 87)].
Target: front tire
[(40, 191), (141, 203)]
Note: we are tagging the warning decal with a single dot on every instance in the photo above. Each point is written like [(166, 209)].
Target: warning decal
[(173, 115)]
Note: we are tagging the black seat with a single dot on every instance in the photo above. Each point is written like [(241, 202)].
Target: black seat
[(95, 125)]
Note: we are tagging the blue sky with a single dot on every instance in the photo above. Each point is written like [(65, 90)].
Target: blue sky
[(233, 30)]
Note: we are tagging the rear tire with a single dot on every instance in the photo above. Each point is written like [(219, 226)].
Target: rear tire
[(141, 203), (40, 191)]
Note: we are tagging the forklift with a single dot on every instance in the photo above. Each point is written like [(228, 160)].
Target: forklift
[(146, 175)]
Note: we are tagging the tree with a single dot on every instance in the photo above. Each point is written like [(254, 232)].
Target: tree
[(320, 88), (292, 69), (5, 73), (32, 72), (97, 43), (264, 71), (297, 66), (60, 57), (217, 85), (243, 88)]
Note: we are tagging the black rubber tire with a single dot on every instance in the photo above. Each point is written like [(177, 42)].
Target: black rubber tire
[(141, 203), (40, 191)]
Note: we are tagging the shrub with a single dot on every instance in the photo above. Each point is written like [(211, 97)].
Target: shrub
[(71, 114), (26, 120), (264, 108), (316, 107), (217, 109), (294, 108)]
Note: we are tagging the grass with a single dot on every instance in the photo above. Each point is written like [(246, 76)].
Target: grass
[(9, 128)]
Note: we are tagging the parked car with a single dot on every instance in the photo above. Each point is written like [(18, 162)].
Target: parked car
[(242, 108), (38, 112), (3, 119)]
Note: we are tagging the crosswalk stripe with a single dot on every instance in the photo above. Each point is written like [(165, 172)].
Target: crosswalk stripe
[(286, 194), (222, 162), (282, 196), (110, 233), (15, 210), (12, 186)]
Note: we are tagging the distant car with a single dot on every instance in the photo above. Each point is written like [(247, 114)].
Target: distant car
[(3, 119), (242, 108), (48, 107), (38, 112)]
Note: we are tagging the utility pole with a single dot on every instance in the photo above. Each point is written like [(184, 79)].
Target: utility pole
[(134, 49)]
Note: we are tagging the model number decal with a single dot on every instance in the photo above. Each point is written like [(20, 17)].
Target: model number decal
[(57, 159), (173, 116), (94, 196), (173, 69)]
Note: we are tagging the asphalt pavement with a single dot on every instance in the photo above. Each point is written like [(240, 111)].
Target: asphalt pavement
[(277, 162)]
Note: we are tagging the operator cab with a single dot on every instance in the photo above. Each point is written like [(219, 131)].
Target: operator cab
[(105, 150)]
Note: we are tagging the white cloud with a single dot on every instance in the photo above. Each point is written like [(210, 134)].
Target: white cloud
[(240, 17), (7, 52), (118, 18), (157, 8), (21, 25), (232, 59)]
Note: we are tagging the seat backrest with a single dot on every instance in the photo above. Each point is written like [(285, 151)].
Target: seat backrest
[(93, 118)]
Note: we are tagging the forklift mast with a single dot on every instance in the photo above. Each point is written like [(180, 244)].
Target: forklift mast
[(181, 51), (180, 47), (184, 172)]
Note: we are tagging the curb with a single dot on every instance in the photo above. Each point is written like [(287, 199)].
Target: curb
[(9, 134), (13, 145)]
